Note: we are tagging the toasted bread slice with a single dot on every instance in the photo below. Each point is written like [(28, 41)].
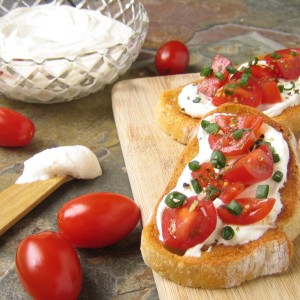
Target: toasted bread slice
[(229, 266), (181, 127)]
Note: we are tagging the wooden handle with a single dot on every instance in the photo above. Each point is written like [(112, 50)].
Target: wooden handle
[(19, 199)]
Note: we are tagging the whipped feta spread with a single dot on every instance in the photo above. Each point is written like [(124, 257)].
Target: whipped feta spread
[(196, 104), (75, 161), (49, 31), (243, 233)]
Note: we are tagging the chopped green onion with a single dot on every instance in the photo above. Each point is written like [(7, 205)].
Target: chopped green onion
[(275, 55), (277, 176), (248, 71), (289, 88), (231, 69), (227, 233), (204, 123), (196, 186), (293, 53), (206, 71), (253, 61), (230, 88), (218, 159), (175, 199), (262, 191), (219, 75), (281, 88), (244, 79), (276, 158), (212, 193), (194, 165), (234, 208), (238, 133), (211, 128)]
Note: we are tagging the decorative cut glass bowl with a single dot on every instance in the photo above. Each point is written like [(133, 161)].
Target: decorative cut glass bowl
[(58, 79)]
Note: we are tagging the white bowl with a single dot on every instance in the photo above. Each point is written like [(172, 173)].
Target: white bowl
[(61, 79)]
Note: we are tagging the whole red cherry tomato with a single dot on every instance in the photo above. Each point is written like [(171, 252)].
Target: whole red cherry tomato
[(16, 130), (172, 58), (97, 219), (48, 267)]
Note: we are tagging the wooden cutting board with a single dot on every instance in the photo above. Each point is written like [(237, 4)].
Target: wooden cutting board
[(149, 156)]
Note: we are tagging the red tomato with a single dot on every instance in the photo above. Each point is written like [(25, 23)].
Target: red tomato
[(226, 142), (270, 92), (172, 58), (97, 219), (254, 167), (285, 62), (228, 145), (250, 95), (48, 267), (230, 123), (261, 71), (209, 85), (253, 210), (190, 224), (16, 130), (207, 176), (265, 78)]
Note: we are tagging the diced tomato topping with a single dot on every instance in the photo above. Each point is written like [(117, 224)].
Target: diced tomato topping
[(285, 63), (230, 123), (209, 85), (207, 176), (227, 142), (252, 168), (233, 91), (253, 210), (190, 224), (270, 91)]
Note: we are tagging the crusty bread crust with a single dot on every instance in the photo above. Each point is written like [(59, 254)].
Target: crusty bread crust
[(228, 266), (181, 127)]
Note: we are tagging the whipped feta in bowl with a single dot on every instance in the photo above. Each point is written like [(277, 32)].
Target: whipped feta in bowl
[(56, 52)]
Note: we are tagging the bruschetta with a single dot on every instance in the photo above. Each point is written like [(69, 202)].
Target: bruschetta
[(230, 211), (269, 83)]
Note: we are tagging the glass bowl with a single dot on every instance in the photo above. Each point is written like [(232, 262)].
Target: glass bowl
[(61, 79)]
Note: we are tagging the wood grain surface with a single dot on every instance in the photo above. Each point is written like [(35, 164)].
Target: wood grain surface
[(150, 155), (19, 199)]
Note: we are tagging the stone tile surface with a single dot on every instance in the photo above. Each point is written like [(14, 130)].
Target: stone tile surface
[(238, 29)]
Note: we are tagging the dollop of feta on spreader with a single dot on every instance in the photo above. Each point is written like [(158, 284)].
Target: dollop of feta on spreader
[(75, 161)]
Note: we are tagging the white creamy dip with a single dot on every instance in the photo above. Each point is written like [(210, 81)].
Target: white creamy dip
[(75, 161), (47, 31), (203, 105), (243, 233)]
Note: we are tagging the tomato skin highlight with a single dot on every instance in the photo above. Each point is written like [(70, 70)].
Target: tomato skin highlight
[(97, 219), (48, 267), (172, 58), (254, 210), (16, 130)]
